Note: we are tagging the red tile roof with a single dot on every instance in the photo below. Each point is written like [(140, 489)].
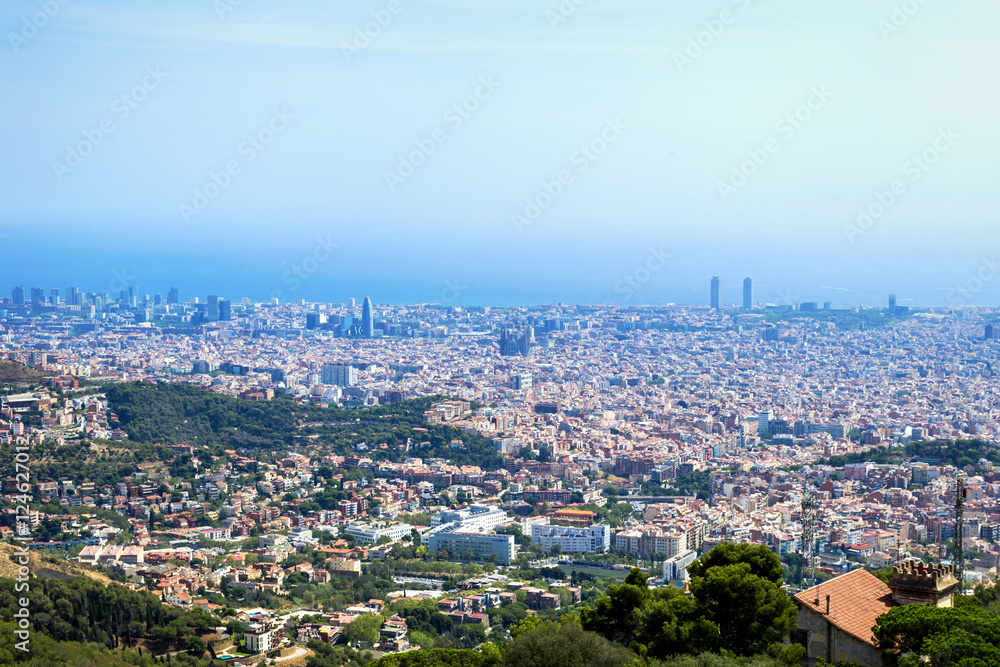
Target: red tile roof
[(856, 600)]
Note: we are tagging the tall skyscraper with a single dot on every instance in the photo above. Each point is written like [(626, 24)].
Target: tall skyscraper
[(367, 322), (315, 320), (213, 307), (17, 294), (892, 304), (172, 297), (715, 291), (764, 418), (748, 293), (225, 310)]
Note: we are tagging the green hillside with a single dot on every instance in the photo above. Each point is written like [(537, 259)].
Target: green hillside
[(184, 414)]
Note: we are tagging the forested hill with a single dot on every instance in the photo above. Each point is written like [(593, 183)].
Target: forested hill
[(958, 453), (11, 371), (185, 414), (80, 621)]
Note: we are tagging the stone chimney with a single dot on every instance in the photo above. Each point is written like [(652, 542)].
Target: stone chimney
[(914, 582)]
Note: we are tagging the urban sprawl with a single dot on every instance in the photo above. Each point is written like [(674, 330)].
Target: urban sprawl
[(624, 436)]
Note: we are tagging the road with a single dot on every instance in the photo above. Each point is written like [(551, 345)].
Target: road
[(300, 651), (417, 580)]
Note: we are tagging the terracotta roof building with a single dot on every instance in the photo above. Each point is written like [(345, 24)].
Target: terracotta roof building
[(837, 616)]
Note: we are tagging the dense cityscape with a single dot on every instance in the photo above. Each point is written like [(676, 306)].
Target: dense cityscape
[(568, 443), (499, 334)]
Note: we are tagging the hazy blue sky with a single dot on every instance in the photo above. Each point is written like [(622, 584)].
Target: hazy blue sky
[(174, 90)]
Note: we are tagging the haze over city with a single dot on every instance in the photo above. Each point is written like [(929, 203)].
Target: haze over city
[(741, 138), (499, 333)]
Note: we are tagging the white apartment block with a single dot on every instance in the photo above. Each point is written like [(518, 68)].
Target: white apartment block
[(373, 532), (572, 539), (477, 518), (259, 639)]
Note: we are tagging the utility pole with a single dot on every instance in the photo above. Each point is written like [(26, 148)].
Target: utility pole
[(808, 534), (959, 529)]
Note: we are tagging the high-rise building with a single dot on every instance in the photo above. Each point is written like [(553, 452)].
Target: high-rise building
[(37, 295), (213, 307), (748, 293), (367, 322), (225, 310), (17, 295), (892, 304), (715, 292), (342, 376), (764, 418), (172, 297)]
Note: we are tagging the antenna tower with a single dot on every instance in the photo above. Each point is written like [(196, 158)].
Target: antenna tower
[(807, 547), (959, 529)]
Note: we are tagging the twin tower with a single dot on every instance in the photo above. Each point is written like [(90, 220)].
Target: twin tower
[(747, 293)]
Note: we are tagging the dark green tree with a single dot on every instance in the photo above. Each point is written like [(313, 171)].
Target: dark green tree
[(565, 644), (921, 636), (613, 615)]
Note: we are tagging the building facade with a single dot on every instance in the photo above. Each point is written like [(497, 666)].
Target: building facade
[(573, 539)]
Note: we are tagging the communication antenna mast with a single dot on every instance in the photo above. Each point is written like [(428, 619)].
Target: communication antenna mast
[(808, 534), (959, 529)]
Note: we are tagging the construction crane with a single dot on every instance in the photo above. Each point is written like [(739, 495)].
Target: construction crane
[(959, 529)]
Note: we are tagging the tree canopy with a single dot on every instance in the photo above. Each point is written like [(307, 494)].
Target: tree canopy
[(736, 605), (923, 636), (172, 413)]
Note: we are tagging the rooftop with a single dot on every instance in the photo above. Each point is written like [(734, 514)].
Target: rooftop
[(856, 600)]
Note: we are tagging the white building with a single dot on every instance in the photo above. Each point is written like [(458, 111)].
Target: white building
[(273, 540), (259, 639), (301, 536), (373, 532), (676, 568), (446, 538), (573, 539), (477, 518)]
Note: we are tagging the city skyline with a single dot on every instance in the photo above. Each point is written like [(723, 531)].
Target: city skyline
[(366, 333), (215, 304)]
